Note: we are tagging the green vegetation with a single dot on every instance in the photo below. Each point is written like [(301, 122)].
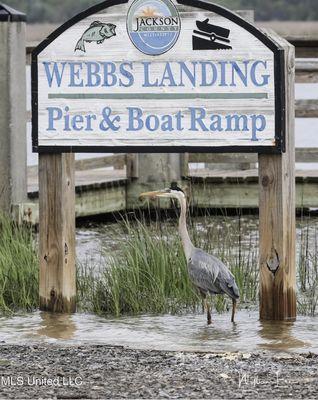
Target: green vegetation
[(147, 273), (18, 268), (307, 272), (60, 10)]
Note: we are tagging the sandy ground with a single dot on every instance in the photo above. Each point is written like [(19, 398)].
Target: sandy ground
[(80, 372)]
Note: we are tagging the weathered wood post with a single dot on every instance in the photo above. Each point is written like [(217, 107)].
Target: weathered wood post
[(277, 212), (153, 171), (57, 232), (13, 153)]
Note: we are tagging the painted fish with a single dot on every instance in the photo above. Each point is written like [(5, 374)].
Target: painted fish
[(97, 32)]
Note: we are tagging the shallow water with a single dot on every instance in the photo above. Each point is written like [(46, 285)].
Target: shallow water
[(186, 332), (178, 333), (169, 332)]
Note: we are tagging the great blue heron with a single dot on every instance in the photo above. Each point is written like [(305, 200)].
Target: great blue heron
[(208, 274)]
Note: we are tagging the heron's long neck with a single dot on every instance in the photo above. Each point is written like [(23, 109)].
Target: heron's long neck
[(186, 242)]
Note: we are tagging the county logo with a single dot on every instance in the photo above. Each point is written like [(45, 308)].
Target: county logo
[(153, 26)]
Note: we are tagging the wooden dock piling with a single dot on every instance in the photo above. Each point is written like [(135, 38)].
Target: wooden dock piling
[(13, 151), (57, 232), (277, 215), (152, 172)]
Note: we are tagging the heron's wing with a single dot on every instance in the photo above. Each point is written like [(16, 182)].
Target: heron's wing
[(204, 270), (211, 274), (227, 283)]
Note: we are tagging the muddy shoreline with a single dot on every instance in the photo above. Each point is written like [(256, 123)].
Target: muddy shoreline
[(99, 371)]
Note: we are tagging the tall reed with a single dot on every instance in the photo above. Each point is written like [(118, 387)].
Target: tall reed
[(307, 271), (149, 273), (18, 267)]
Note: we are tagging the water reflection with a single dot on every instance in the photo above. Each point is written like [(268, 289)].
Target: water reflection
[(279, 335), (215, 333), (165, 332), (56, 326)]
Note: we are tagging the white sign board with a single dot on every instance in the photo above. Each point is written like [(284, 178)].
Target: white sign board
[(157, 75)]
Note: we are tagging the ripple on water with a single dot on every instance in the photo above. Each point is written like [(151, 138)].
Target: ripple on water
[(180, 333)]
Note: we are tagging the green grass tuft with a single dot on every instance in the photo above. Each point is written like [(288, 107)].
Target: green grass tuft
[(149, 275), (18, 268)]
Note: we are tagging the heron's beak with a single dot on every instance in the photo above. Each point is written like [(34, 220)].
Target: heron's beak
[(151, 195)]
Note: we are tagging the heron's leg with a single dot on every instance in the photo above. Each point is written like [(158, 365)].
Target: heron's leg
[(203, 296), (209, 309), (233, 309)]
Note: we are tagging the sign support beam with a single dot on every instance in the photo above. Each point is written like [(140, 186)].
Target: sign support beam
[(57, 232), (277, 215)]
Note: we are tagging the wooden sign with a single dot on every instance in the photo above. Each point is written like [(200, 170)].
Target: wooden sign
[(158, 76)]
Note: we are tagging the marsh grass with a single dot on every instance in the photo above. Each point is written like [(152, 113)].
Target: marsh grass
[(145, 270), (18, 268), (149, 273), (307, 271)]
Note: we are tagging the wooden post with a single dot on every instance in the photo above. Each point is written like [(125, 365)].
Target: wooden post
[(57, 232), (277, 214), (151, 172), (13, 151)]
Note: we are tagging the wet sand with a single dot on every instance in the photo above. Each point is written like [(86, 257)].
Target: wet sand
[(99, 371)]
